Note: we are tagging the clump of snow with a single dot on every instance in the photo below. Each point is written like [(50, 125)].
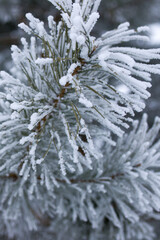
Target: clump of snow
[(15, 115), (16, 106), (85, 101), (33, 120), (123, 88), (81, 39), (91, 21), (44, 61), (68, 78), (25, 28), (73, 67), (39, 96), (143, 29), (78, 24), (63, 80), (29, 138)]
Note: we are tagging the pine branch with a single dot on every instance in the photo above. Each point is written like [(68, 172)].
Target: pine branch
[(62, 129)]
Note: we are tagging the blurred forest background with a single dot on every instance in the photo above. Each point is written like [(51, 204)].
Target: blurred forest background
[(113, 12)]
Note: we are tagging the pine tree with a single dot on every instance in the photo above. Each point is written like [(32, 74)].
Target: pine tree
[(67, 169)]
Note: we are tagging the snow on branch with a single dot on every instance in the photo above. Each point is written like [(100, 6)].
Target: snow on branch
[(62, 125)]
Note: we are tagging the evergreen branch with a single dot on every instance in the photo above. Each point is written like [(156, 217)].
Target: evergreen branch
[(15, 177)]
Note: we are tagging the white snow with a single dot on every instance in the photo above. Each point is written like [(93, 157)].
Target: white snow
[(123, 88), (25, 28), (143, 29), (104, 55), (16, 106), (81, 39), (44, 61), (85, 101), (33, 120), (63, 80), (91, 21), (77, 21)]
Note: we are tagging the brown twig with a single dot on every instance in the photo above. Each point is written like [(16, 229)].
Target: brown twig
[(15, 177)]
